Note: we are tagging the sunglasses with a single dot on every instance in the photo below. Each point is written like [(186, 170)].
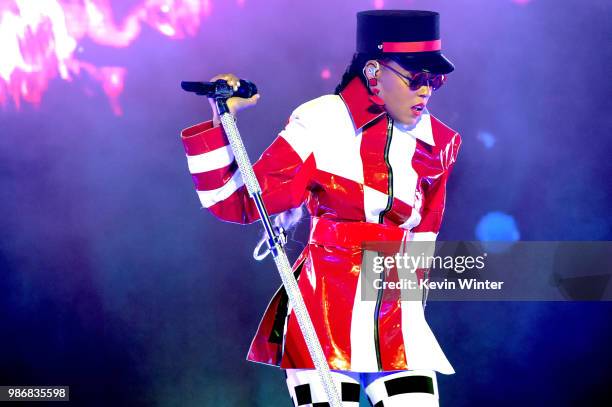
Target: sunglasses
[(420, 79)]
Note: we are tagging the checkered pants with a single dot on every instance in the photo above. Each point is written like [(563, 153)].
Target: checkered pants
[(408, 388)]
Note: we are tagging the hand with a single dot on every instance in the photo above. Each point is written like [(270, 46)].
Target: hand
[(235, 104)]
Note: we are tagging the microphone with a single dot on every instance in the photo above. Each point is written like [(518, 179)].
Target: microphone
[(220, 89)]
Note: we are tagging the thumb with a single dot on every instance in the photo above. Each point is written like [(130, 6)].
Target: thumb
[(254, 98), (238, 104)]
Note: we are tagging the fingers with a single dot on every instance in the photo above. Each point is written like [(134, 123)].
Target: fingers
[(237, 104), (253, 99), (231, 79)]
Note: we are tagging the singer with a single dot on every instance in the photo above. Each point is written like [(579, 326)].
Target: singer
[(369, 162)]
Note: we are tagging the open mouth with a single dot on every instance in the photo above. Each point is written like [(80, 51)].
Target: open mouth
[(418, 108)]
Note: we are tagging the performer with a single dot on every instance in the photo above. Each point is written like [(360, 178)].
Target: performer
[(369, 162)]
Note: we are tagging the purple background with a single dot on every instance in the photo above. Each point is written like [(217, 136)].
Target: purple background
[(116, 283)]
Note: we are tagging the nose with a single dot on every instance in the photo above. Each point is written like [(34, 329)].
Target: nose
[(425, 91)]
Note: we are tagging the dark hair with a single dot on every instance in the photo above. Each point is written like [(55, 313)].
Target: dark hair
[(355, 68)]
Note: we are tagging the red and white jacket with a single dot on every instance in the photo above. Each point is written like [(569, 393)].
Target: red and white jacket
[(361, 176)]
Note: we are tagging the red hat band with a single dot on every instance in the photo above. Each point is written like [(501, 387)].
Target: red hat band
[(416, 46)]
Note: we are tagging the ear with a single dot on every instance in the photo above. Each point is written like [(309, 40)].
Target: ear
[(371, 69)]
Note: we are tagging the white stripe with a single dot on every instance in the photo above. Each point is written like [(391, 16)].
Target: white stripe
[(420, 344), (377, 390), (296, 134), (297, 377), (403, 146), (415, 216), (212, 160), (363, 349), (209, 198), (422, 236), (413, 220), (333, 139), (374, 202), (421, 130), (405, 178)]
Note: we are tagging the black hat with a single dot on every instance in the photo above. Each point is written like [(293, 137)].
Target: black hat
[(410, 37)]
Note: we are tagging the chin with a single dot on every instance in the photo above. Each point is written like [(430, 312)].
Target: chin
[(409, 120), (406, 119)]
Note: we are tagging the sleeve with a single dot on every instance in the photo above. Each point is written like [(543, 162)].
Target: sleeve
[(284, 171), (434, 203), (435, 194)]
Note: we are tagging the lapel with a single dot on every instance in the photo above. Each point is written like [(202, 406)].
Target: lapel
[(364, 111)]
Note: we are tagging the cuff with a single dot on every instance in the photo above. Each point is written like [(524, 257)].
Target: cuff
[(202, 138)]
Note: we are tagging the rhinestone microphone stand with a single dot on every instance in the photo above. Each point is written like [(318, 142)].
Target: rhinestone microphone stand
[(275, 244)]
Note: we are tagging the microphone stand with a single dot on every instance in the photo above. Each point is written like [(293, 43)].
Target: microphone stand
[(275, 244)]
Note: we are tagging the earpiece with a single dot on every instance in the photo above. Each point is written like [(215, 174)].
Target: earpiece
[(371, 76), (372, 70)]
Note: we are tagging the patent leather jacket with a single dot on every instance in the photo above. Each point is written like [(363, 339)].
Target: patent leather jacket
[(360, 176)]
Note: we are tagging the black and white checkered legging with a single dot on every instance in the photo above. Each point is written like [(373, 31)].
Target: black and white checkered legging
[(407, 388)]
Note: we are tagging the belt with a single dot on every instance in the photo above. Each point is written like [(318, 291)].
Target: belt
[(347, 234)]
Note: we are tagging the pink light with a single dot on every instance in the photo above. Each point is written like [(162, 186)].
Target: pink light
[(112, 79), (207, 7), (325, 73), (40, 40), (115, 79), (379, 4), (167, 29), (521, 2)]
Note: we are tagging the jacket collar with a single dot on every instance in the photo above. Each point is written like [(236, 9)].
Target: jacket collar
[(422, 130), (359, 103), (363, 111)]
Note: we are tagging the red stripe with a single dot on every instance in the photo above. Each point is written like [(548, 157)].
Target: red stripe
[(326, 235), (416, 46), (426, 162), (283, 178), (356, 98), (350, 234), (400, 212), (262, 350), (375, 170), (197, 128), (232, 209), (321, 279), (430, 222), (392, 353), (332, 189), (209, 180), (202, 138)]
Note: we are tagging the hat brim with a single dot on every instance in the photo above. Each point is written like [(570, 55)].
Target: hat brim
[(433, 62)]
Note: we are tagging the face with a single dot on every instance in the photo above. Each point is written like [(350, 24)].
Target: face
[(402, 103)]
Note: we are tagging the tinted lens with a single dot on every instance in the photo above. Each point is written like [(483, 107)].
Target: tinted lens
[(437, 81), (418, 80), (423, 78)]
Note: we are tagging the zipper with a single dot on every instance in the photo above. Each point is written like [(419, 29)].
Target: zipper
[(376, 315), (380, 220), (390, 171)]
